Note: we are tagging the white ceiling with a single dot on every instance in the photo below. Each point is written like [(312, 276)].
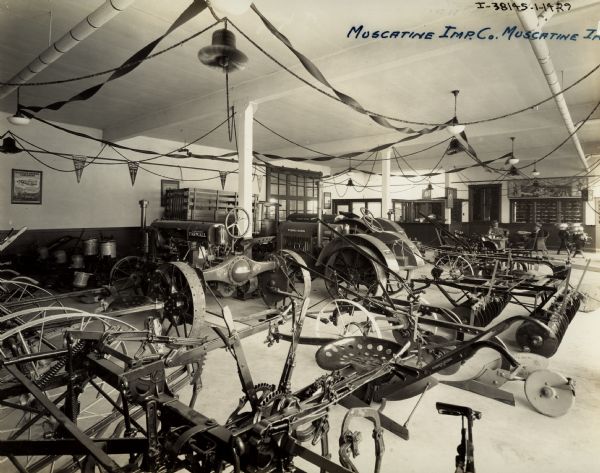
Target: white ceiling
[(175, 97)]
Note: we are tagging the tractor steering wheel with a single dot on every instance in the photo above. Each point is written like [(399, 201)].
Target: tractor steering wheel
[(370, 221), (236, 220)]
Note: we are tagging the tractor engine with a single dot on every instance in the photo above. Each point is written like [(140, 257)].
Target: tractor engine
[(200, 244)]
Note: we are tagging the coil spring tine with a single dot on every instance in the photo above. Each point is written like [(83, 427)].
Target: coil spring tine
[(49, 375)]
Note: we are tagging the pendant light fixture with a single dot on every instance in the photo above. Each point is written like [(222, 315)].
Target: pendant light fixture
[(9, 146), (426, 194), (456, 128), (349, 183), (513, 159), (222, 54), (535, 172), (19, 118)]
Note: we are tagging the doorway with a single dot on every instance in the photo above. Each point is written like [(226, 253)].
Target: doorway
[(484, 202)]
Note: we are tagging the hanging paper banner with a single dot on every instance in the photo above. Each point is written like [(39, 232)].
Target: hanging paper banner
[(79, 163), (133, 169), (223, 176), (259, 181)]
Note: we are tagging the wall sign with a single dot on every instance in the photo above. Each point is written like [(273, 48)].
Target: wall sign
[(451, 193), (26, 187), (553, 187)]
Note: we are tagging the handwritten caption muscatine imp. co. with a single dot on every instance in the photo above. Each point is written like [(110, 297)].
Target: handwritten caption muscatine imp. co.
[(485, 33)]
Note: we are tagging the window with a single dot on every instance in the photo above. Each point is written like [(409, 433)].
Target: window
[(354, 205), (414, 210), (484, 202), (295, 191)]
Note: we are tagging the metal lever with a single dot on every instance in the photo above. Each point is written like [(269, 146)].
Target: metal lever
[(240, 358)]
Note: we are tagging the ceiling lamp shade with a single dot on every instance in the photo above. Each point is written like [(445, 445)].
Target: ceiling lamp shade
[(535, 172), (230, 7), (456, 128), (19, 118), (429, 187), (350, 183), (222, 53)]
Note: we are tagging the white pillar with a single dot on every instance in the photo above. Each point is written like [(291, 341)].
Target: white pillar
[(245, 117), (448, 212), (386, 171)]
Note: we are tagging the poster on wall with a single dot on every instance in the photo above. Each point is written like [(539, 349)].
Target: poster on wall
[(552, 187), (26, 187), (327, 200), (165, 185), (451, 193)]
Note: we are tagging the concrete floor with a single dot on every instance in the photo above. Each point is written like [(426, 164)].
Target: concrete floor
[(516, 439)]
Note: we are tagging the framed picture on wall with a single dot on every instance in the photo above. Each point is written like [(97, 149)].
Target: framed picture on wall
[(26, 187), (165, 185), (327, 200)]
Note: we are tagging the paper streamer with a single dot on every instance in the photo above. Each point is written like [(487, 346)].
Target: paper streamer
[(133, 169), (79, 163), (314, 71), (134, 61), (428, 174), (223, 176)]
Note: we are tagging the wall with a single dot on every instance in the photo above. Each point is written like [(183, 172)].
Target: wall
[(105, 196)]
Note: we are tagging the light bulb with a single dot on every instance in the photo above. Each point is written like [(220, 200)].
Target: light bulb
[(230, 7), (535, 173)]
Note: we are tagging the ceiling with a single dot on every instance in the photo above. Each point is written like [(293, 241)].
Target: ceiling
[(174, 96)]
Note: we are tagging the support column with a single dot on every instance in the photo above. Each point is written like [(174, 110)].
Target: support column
[(448, 212), (244, 120), (386, 172)]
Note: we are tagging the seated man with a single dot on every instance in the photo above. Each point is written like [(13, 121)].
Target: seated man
[(496, 232)]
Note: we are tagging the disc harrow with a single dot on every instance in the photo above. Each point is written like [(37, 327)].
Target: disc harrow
[(557, 318)]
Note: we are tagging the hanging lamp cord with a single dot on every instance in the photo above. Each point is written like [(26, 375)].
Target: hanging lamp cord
[(230, 109)]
